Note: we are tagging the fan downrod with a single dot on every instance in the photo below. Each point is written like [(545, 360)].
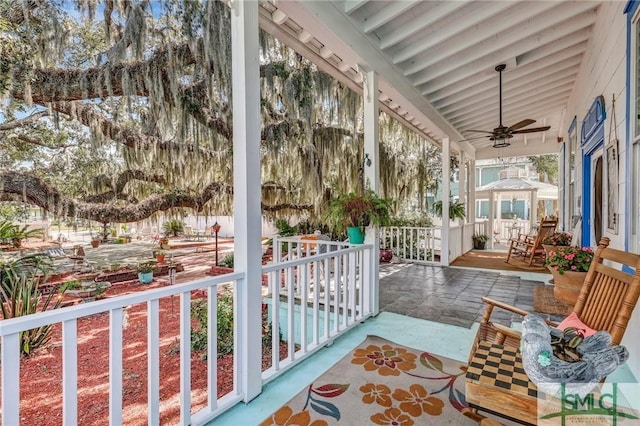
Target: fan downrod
[(501, 67)]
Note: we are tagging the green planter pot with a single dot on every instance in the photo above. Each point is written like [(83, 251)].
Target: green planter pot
[(479, 245), (145, 277), (356, 235)]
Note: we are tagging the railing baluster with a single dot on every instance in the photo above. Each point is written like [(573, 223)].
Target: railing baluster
[(115, 367), (316, 302), (275, 322), (153, 362), (10, 350), (291, 314), (303, 272), (327, 296), (353, 265), (212, 347), (70, 372), (337, 278), (185, 358), (345, 290)]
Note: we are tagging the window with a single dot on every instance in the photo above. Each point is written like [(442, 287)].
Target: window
[(572, 211)]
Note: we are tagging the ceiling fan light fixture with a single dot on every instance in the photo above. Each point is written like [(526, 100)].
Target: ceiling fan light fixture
[(501, 141)]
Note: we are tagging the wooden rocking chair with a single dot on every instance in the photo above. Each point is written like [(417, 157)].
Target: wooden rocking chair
[(606, 302), (528, 247)]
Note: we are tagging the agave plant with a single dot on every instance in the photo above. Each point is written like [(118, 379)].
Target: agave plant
[(19, 234), (20, 295)]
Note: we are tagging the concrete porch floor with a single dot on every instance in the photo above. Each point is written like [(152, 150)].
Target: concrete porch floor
[(429, 308)]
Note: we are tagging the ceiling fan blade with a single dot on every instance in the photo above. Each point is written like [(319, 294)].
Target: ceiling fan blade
[(475, 138), (522, 124), (481, 131), (533, 130)]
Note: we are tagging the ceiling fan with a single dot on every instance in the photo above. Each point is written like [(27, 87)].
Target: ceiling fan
[(501, 134)]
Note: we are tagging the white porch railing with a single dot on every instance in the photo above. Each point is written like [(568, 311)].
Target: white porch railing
[(330, 287), (320, 290), (503, 229), (413, 244), (68, 319)]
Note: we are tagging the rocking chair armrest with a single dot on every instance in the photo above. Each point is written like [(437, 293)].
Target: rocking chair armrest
[(505, 306), (495, 303)]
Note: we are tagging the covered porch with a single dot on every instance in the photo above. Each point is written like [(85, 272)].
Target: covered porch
[(338, 294)]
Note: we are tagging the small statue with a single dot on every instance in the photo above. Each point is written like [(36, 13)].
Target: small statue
[(548, 372)]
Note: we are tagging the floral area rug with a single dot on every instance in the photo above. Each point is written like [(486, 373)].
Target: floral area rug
[(381, 383)]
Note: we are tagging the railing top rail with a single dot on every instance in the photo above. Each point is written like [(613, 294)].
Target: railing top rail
[(310, 240), (15, 325), (315, 257), (413, 227)]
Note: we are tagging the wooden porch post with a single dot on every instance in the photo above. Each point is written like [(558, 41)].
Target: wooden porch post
[(372, 174), (446, 187), (247, 195), (472, 193), (491, 214)]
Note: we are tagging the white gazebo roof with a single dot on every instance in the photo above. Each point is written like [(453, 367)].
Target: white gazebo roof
[(545, 191)]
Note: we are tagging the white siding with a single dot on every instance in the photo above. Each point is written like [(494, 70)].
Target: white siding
[(603, 72)]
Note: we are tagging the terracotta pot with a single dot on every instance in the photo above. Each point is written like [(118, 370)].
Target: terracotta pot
[(95, 243), (566, 286), (160, 258)]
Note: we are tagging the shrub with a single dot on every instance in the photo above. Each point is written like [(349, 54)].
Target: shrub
[(225, 326), (173, 227), (20, 295), (227, 261)]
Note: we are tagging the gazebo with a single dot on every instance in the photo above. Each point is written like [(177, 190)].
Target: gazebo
[(514, 188)]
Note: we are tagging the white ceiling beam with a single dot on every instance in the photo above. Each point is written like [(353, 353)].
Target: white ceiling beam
[(558, 46), (513, 105), (350, 6), (580, 25), (391, 11), (572, 56), (420, 22), (455, 23), (489, 121), (546, 107), (484, 37), (511, 83), (511, 93), (345, 40)]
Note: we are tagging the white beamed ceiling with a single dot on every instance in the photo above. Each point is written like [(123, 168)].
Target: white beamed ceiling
[(436, 60)]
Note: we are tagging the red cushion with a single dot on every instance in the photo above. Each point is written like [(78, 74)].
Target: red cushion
[(573, 321)]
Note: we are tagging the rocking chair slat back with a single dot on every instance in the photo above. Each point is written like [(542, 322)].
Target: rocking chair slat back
[(609, 295)]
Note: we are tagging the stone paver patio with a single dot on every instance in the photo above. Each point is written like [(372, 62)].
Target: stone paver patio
[(450, 295)]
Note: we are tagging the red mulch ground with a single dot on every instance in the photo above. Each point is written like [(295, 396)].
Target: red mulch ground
[(40, 374)]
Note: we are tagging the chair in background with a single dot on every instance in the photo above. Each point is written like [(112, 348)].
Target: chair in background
[(530, 247), (606, 302)]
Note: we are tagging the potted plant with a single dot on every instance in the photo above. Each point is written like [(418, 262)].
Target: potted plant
[(556, 240), (163, 242), (95, 242), (145, 272), (479, 241), (160, 255), (569, 266), (456, 209), (354, 212)]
